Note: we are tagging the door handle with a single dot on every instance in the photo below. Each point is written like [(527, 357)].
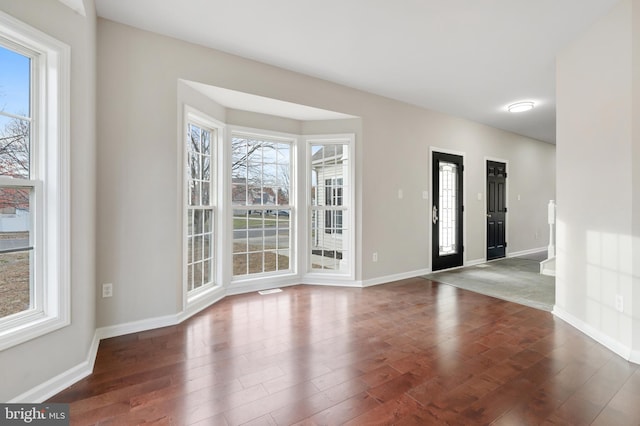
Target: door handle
[(434, 215), (488, 215)]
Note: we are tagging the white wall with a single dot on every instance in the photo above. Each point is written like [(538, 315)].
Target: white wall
[(635, 144), (597, 161), (37, 361), (137, 167)]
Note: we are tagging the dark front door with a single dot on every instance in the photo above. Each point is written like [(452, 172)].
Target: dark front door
[(446, 211), (496, 209)]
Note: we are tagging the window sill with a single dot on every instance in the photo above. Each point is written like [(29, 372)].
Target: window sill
[(30, 330)]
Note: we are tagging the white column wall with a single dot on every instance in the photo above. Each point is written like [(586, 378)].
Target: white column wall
[(595, 169), (36, 362)]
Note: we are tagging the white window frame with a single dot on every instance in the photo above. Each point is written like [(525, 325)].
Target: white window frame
[(348, 204), (197, 297), (292, 140), (50, 100)]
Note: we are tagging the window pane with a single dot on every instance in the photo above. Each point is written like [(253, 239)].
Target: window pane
[(206, 245), (15, 82), (238, 157), (206, 168), (15, 250), (194, 165), (197, 275), (260, 182), (239, 191), (270, 232), (15, 289), (200, 223), (206, 194), (189, 277), (206, 271), (269, 152), (197, 248), (197, 221), (284, 154), (448, 195), (329, 215), (15, 217), (269, 175), (208, 221), (206, 143), (14, 147), (255, 262), (194, 193), (194, 138), (240, 264), (283, 239)]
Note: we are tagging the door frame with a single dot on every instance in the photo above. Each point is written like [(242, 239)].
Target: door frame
[(462, 154), (484, 210)]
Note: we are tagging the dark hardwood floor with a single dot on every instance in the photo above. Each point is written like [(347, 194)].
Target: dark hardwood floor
[(409, 352)]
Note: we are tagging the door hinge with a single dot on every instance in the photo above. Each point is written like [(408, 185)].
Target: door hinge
[(463, 208), (505, 175), (505, 209), (505, 244)]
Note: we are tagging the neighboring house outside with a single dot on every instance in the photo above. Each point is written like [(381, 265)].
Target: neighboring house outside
[(18, 221), (14, 212), (248, 195), (329, 166)]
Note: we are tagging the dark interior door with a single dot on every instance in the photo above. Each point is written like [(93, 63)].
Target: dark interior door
[(496, 209), (446, 212)]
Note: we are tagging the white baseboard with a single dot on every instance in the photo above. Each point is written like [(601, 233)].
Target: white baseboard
[(611, 344), (526, 252), (201, 302), (46, 390), (475, 262), (395, 277), (330, 281), (548, 267), (514, 254), (137, 326)]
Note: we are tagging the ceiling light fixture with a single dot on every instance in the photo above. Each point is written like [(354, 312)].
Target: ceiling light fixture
[(521, 106)]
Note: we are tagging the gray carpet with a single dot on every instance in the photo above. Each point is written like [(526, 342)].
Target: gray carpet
[(516, 279)]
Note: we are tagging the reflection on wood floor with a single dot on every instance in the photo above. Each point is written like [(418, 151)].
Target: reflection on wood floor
[(408, 352)]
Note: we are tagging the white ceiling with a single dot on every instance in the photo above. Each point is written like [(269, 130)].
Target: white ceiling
[(469, 58)]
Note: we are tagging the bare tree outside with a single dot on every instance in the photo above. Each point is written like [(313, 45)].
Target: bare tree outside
[(15, 151), (14, 263), (200, 213), (247, 153), (261, 196)]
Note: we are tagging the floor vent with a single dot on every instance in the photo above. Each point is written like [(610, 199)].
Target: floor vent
[(271, 291)]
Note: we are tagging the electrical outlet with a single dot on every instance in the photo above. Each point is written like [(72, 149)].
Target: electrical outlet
[(619, 303), (107, 290), (375, 256)]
